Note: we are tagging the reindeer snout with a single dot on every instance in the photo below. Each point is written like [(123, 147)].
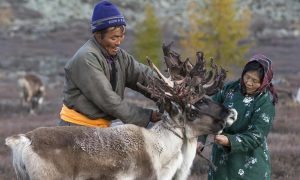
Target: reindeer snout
[(232, 117), (229, 120)]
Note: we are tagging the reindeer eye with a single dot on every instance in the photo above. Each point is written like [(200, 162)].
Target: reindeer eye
[(192, 115), (201, 101)]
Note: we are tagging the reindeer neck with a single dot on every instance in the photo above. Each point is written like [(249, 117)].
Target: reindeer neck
[(173, 130), (173, 127), (175, 141)]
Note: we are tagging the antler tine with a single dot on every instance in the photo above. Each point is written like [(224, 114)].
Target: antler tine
[(188, 66), (171, 57), (167, 48), (204, 82), (166, 80), (160, 88), (198, 69), (173, 66), (149, 89), (210, 77), (217, 84), (186, 83), (176, 67), (157, 88), (168, 52)]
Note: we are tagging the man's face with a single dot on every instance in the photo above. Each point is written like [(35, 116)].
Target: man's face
[(112, 40)]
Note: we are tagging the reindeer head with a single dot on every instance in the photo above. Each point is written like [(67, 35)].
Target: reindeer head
[(184, 95)]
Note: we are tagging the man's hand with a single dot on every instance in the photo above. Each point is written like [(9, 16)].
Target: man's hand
[(222, 140), (155, 116)]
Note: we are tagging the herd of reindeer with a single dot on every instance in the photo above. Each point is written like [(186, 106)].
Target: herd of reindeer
[(165, 151)]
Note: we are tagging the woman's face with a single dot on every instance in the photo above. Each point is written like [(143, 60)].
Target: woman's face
[(251, 81)]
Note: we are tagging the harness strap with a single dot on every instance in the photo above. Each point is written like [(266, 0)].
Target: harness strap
[(72, 116), (165, 121), (170, 129), (210, 163)]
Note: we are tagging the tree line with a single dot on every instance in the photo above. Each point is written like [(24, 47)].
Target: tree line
[(218, 28)]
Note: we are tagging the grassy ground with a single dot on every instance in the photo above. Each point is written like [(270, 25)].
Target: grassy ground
[(283, 140)]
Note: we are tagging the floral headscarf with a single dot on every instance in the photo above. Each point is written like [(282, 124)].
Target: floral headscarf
[(268, 75)]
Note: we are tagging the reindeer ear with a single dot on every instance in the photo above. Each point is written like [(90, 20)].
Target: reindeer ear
[(161, 106), (171, 107), (175, 109)]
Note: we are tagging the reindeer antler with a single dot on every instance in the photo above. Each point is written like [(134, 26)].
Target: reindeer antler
[(186, 83)]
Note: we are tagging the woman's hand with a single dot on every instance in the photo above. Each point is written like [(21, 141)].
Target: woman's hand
[(222, 140)]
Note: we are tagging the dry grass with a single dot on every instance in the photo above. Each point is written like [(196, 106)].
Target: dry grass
[(283, 140)]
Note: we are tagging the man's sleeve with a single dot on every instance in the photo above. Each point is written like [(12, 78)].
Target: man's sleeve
[(137, 73)]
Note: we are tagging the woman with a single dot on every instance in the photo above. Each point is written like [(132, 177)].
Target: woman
[(241, 152)]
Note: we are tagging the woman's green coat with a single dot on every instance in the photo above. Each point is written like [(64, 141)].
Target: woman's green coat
[(248, 156)]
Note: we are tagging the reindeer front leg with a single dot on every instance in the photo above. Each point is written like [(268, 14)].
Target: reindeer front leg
[(167, 172)]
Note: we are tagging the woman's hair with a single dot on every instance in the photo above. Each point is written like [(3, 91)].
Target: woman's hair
[(255, 66)]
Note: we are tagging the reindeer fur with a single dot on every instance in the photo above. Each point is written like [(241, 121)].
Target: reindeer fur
[(121, 152)]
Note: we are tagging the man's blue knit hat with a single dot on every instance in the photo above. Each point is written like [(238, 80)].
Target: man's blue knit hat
[(106, 15)]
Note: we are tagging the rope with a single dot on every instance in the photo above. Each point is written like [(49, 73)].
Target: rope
[(199, 153)]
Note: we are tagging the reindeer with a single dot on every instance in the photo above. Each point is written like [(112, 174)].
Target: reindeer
[(32, 91), (163, 152)]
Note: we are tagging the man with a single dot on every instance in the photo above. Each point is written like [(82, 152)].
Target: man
[(96, 76)]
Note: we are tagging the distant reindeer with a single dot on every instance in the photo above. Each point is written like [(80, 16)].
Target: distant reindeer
[(32, 91), (164, 152)]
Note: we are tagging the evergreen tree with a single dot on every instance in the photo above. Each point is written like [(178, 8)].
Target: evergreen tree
[(148, 38), (217, 28)]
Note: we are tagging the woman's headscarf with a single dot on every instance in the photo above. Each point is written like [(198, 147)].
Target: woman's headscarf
[(266, 83)]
